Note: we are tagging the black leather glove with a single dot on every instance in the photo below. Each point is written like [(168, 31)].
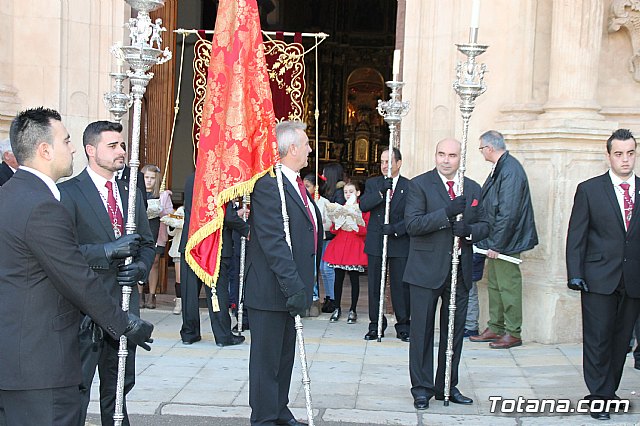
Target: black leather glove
[(578, 284), (297, 303), (456, 206), (123, 247), (387, 184), (387, 229), (130, 275), (139, 331), (461, 229)]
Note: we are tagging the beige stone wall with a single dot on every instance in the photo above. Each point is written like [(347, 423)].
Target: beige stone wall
[(558, 84), (56, 54)]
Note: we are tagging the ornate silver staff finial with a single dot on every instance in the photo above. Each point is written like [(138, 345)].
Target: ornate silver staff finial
[(139, 57), (393, 111)]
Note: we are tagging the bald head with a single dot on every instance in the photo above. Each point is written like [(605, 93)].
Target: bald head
[(448, 157)]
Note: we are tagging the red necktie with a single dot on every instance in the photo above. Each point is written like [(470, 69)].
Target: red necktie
[(628, 204), (305, 200), (450, 184), (115, 215)]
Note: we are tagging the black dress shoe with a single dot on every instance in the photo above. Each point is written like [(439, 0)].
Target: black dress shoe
[(292, 422), (421, 403), (600, 415), (372, 335), (456, 398), (234, 340), (191, 341), (403, 335)]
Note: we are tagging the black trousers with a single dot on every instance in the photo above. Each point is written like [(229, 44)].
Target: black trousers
[(400, 294), (424, 302), (273, 347), (607, 325), (51, 407), (103, 355), (191, 287)]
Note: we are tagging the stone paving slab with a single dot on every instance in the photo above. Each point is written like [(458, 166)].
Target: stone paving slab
[(356, 381)]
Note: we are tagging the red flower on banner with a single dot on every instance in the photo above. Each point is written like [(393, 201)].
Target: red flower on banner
[(237, 137)]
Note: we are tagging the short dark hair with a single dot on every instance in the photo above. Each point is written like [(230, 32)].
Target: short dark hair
[(396, 153), (621, 135), (311, 177), (28, 129), (93, 131)]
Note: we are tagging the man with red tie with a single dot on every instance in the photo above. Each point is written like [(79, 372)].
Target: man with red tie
[(98, 204), (603, 263), (279, 278), (434, 200)]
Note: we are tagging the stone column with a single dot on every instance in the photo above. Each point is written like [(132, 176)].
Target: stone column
[(9, 102), (576, 37)]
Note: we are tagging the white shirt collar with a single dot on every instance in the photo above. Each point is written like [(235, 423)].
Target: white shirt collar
[(291, 175), (616, 180), (98, 180), (46, 179)]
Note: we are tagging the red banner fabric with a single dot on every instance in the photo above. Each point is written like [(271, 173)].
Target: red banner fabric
[(237, 135)]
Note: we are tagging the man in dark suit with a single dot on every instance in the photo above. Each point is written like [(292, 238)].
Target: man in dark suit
[(279, 279), (96, 201), (603, 263), (192, 285), (46, 282), (9, 164), (433, 203), (373, 200)]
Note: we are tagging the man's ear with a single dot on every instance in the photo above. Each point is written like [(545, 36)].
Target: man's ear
[(90, 150), (44, 151)]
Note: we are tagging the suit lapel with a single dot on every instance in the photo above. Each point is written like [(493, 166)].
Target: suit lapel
[(439, 186), (609, 190), (398, 193), (288, 186), (90, 193), (123, 189)]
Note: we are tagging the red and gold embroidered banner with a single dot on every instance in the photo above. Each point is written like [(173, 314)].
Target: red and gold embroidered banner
[(237, 138), (285, 65)]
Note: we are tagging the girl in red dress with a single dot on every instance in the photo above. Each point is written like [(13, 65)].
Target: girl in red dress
[(345, 253)]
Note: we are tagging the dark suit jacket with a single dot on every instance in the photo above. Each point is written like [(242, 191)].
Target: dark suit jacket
[(5, 173), (272, 273), (93, 226), (188, 197), (44, 284), (598, 248), (371, 201), (431, 245), (126, 172), (232, 221)]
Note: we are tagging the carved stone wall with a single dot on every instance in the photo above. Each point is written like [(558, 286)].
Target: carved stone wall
[(558, 83)]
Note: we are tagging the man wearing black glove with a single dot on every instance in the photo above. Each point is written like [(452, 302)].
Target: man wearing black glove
[(123, 247), (461, 229), (279, 279), (98, 205), (139, 331), (374, 201), (431, 205), (603, 245), (456, 206)]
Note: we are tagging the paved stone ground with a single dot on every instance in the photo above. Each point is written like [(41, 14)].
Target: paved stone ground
[(353, 382)]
